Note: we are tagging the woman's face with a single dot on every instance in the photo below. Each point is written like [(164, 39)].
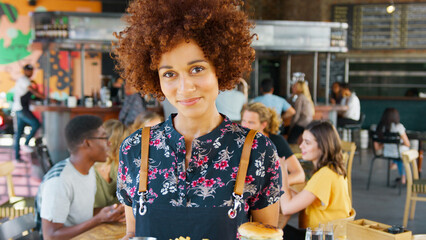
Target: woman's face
[(188, 80), (336, 88), (252, 120), (309, 147)]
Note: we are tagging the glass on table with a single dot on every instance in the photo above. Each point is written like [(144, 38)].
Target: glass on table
[(318, 233)]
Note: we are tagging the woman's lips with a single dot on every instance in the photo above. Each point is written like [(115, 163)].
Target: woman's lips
[(189, 101)]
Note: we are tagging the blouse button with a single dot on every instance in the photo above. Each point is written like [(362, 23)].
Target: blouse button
[(182, 194)]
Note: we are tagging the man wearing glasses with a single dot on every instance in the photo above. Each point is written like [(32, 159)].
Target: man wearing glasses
[(64, 202)]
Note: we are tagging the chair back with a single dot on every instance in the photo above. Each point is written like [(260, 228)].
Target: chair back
[(43, 155), (6, 169), (409, 158), (349, 149), (387, 138), (16, 227)]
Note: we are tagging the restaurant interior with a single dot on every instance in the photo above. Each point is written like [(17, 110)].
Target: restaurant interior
[(378, 47)]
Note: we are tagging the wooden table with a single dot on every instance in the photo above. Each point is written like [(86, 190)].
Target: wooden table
[(105, 231)]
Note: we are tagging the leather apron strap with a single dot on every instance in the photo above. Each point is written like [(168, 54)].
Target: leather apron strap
[(244, 162), (143, 174)]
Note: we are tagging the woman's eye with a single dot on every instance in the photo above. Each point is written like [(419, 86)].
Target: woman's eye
[(195, 70), (168, 74)]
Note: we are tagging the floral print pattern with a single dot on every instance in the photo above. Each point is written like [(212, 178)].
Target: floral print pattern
[(211, 174)]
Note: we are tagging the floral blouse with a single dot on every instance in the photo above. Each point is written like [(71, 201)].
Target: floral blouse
[(211, 174)]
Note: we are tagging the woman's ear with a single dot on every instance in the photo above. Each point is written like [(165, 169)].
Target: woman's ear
[(263, 125)]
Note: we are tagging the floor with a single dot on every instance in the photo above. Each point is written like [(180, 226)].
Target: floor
[(382, 204)]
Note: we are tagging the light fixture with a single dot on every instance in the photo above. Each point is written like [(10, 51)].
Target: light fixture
[(391, 8)]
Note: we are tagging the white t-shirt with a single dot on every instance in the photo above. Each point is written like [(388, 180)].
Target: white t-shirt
[(21, 88), (67, 196), (389, 150), (354, 107)]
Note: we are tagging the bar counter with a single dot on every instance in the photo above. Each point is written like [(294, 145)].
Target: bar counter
[(104, 113), (56, 117)]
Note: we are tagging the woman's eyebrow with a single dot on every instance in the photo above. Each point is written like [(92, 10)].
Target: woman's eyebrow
[(196, 61), (166, 67)]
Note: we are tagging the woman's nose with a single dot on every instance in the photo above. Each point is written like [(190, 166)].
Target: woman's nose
[(186, 84)]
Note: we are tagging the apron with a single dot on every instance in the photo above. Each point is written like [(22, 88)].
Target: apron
[(167, 222)]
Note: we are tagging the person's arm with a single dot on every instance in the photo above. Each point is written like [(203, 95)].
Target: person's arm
[(405, 140), (298, 108), (53, 230), (35, 92), (130, 223), (289, 113), (293, 204), (297, 175)]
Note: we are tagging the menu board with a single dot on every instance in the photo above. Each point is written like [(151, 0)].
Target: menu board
[(372, 27)]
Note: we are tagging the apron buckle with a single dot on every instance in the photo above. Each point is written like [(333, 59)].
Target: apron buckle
[(142, 205), (232, 213)]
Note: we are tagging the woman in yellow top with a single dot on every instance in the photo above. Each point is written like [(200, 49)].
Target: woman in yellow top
[(325, 196)]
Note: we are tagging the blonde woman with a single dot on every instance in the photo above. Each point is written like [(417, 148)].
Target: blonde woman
[(259, 117), (305, 111), (146, 119), (106, 173)]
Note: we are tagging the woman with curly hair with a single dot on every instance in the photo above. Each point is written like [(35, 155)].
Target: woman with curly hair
[(259, 117), (325, 196), (182, 177)]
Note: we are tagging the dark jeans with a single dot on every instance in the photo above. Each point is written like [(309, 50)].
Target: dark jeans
[(293, 233), (24, 118), (341, 121)]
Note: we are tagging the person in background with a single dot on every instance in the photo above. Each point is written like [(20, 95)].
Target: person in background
[(279, 104), (353, 114), (325, 196), (231, 102), (146, 119), (305, 111), (168, 108), (133, 105), (259, 117), (187, 51), (336, 93), (64, 202), (24, 90), (106, 172), (389, 123)]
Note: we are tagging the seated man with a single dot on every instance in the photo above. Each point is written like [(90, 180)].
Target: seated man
[(353, 114), (64, 202), (279, 104)]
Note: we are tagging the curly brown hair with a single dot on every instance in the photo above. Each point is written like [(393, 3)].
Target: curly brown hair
[(156, 26)]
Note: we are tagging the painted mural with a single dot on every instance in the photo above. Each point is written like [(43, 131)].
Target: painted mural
[(16, 49)]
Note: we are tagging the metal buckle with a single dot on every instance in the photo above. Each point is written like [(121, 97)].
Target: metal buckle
[(232, 213), (142, 205)]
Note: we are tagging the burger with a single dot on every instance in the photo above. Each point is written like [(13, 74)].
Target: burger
[(259, 231)]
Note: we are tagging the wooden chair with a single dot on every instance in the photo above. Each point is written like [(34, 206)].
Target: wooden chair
[(16, 206), (20, 228), (415, 185), (349, 149)]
